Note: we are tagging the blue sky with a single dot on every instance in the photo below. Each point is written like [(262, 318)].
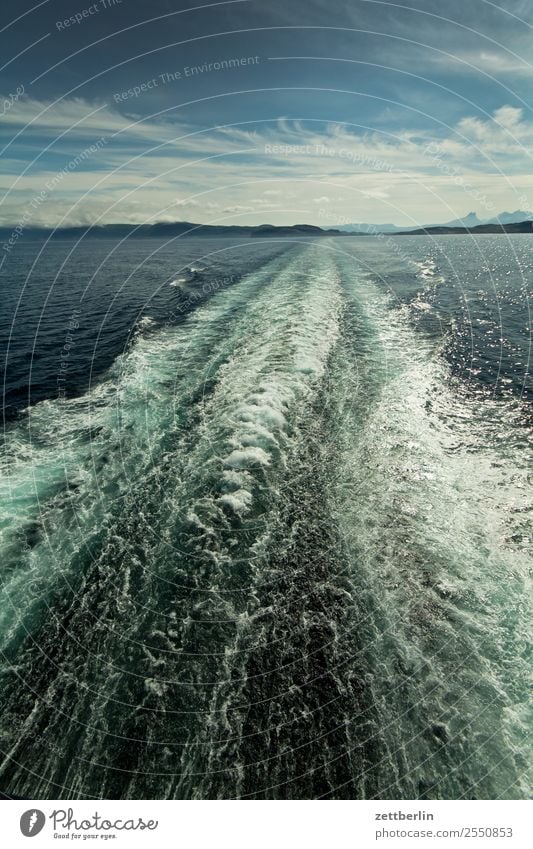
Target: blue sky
[(248, 112)]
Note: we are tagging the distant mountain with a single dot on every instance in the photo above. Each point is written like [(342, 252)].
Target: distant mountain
[(370, 229), (472, 220), (510, 217), (469, 221), (169, 230), (289, 230)]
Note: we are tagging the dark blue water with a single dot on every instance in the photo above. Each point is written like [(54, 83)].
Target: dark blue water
[(106, 288), (266, 518)]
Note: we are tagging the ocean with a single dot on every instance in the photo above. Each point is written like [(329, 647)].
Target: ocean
[(266, 518)]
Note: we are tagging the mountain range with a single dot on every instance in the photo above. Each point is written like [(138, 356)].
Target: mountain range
[(443, 230), (169, 230), (506, 222)]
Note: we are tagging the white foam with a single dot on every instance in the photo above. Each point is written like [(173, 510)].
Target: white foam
[(424, 503), (262, 414), (274, 367)]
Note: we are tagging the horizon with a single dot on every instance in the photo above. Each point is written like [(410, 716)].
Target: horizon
[(419, 117)]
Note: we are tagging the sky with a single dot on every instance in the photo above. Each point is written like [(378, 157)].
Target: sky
[(244, 112)]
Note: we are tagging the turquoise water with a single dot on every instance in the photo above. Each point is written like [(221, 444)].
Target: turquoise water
[(273, 538)]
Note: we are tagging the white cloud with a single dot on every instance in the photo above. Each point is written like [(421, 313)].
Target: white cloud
[(491, 62), (237, 209), (506, 134), (375, 193), (508, 116)]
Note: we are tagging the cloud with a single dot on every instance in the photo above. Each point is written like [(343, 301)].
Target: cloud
[(505, 135), (148, 170), (375, 193), (495, 63), (509, 117), (498, 63), (237, 209)]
